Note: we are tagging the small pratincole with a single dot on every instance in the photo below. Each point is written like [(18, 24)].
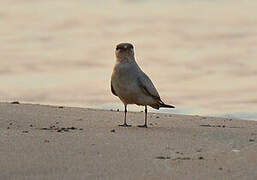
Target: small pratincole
[(131, 84)]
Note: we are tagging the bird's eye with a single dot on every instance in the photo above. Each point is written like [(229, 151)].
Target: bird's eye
[(117, 48)]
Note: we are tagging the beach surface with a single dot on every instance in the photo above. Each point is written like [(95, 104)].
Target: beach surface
[(56, 142)]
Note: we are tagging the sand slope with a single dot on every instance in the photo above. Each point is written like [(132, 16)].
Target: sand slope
[(47, 142)]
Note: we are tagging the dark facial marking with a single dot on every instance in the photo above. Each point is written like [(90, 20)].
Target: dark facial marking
[(124, 46)]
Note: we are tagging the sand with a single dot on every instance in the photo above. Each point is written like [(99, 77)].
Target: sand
[(51, 142)]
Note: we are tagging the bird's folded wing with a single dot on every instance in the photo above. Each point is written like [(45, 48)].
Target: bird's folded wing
[(147, 86)]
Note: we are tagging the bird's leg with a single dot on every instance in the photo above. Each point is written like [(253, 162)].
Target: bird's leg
[(125, 118), (145, 125)]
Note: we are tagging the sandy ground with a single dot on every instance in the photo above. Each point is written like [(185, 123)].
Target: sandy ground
[(49, 142)]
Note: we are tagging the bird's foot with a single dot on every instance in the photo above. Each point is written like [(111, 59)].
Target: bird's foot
[(125, 125), (142, 126)]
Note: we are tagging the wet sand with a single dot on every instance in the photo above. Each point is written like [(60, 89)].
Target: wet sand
[(56, 142)]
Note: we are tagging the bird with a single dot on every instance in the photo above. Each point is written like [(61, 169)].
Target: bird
[(131, 84)]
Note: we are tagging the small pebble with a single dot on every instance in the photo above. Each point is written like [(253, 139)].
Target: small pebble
[(46, 141), (31, 125), (25, 131), (113, 130), (235, 150), (118, 110), (200, 158), (182, 158), (60, 107), (220, 168), (162, 157), (8, 127), (15, 102), (251, 140)]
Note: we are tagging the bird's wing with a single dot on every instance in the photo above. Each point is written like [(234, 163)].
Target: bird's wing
[(147, 86), (113, 92)]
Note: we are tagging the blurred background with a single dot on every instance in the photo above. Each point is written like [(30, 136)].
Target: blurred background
[(200, 54)]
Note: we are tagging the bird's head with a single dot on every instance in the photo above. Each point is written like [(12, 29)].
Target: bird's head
[(124, 51)]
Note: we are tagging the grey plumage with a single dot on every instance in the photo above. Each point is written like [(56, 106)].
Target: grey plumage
[(131, 84)]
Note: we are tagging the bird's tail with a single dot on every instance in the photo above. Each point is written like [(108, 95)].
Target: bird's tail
[(162, 104), (166, 106)]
